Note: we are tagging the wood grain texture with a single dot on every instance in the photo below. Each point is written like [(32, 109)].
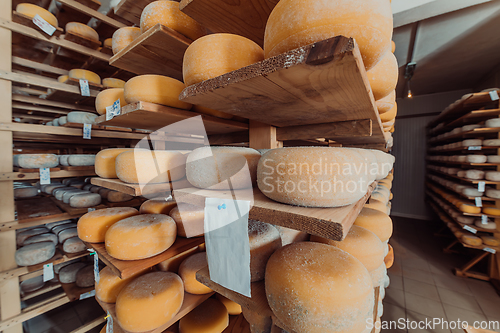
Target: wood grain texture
[(262, 136), (160, 50), (131, 10), (338, 131), (36, 207), (90, 43), (82, 8), (138, 189), (36, 221), (27, 21), (237, 324), (36, 175), (72, 210), (73, 292), (55, 104)]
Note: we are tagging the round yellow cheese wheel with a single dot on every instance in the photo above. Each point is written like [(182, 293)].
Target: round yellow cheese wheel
[(82, 30), (168, 14), (317, 288), (210, 316), (107, 97), (140, 236), (393, 49), (490, 240), (157, 206), (31, 10), (390, 115), (389, 258), (142, 166), (189, 219), (233, 308), (92, 226), (187, 271), (472, 240), (387, 103), (123, 37), (110, 284), (63, 78), (471, 209), (377, 205), (212, 112), (150, 301), (361, 243), (172, 264), (83, 74), (105, 162), (156, 89), (110, 82), (108, 42), (384, 76), (491, 210), (376, 221), (217, 54), (296, 23)]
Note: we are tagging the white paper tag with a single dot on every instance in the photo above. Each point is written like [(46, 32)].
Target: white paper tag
[(90, 209), (87, 294), (96, 268), (494, 95), (490, 250), (484, 219), (227, 243), (116, 108), (479, 201), (44, 25), (109, 324), (84, 88), (17, 120), (474, 148), (48, 272), (109, 112), (44, 176), (466, 227), (481, 186), (87, 128)]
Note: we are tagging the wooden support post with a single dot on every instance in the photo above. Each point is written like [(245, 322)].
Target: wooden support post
[(263, 136), (464, 270)]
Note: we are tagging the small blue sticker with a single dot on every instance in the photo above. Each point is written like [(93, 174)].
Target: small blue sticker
[(223, 206)]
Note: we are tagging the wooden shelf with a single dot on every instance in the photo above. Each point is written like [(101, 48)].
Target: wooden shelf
[(49, 286), (465, 163), (462, 149), (190, 302), (131, 10), (72, 210), (38, 207), (279, 89), (160, 50), (36, 221), (473, 133), (127, 268), (90, 43), (73, 292), (153, 117), (28, 21), (332, 223), (470, 181), (137, 189), (53, 175), (74, 82)]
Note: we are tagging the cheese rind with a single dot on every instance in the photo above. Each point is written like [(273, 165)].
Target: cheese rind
[(123, 37), (157, 206), (383, 77), (92, 227), (81, 117), (83, 74), (82, 30), (187, 271), (31, 10), (233, 308), (110, 82), (189, 219), (376, 221), (107, 97), (110, 285), (47, 237), (73, 245), (81, 160), (85, 277), (387, 103), (105, 162), (35, 161), (34, 253)]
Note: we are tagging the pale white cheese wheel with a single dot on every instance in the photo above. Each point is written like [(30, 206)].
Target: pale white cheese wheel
[(51, 187), (385, 163), (461, 174), (462, 158), (115, 196), (63, 160), (493, 159), (491, 142), (55, 122), (472, 192), (25, 192), (52, 225), (69, 194), (59, 192), (35, 161), (73, 245), (47, 237), (25, 234), (58, 267), (81, 160), (67, 233), (472, 142), (85, 277), (81, 117), (63, 120), (467, 128), (474, 174), (495, 122), (465, 219), (56, 230), (492, 175), (85, 200), (32, 284), (493, 193), (67, 274), (34, 253), (490, 225), (50, 123), (476, 158)]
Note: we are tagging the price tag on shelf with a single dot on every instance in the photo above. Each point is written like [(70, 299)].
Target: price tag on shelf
[(484, 219), (481, 186), (84, 88), (471, 229), (96, 268), (87, 128), (87, 294), (44, 176), (48, 272), (44, 25), (113, 110), (109, 323), (90, 209), (494, 95), (474, 148), (479, 201), (490, 250)]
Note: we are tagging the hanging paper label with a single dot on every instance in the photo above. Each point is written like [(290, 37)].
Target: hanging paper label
[(113, 110), (481, 186), (466, 227), (87, 128), (96, 268), (90, 209), (484, 219), (479, 201), (494, 95), (109, 324), (87, 294), (474, 148), (44, 25), (48, 272), (490, 250), (44, 176), (84, 88)]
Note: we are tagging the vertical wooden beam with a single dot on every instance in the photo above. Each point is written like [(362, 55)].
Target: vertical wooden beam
[(263, 136), (10, 301)]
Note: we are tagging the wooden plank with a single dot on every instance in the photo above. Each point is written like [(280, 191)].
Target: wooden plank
[(336, 131), (138, 189), (73, 292), (39, 101), (244, 18), (35, 207), (262, 136), (236, 137), (39, 66), (36, 175), (280, 88), (87, 327), (78, 168), (49, 286), (127, 268), (332, 223), (28, 21), (74, 82), (154, 116), (90, 43), (131, 10), (93, 13), (237, 324), (33, 222), (160, 50), (72, 210), (135, 202)]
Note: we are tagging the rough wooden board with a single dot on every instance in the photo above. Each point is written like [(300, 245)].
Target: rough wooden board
[(38, 207), (160, 50), (475, 133), (332, 223), (473, 117), (92, 85), (154, 116), (36, 175), (137, 189), (237, 324), (244, 18), (131, 10), (73, 291), (190, 302), (470, 181), (27, 21), (72, 210), (91, 44), (126, 268), (22, 170), (39, 101), (338, 131), (49, 286), (33, 222), (78, 168), (135, 202)]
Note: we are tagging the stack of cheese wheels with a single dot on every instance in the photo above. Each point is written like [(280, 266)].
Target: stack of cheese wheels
[(123, 37), (209, 316), (173, 264), (110, 82), (376, 221), (387, 103), (157, 206), (264, 240), (82, 30), (107, 97), (110, 284), (384, 76), (187, 271), (105, 162), (92, 226), (31, 10), (216, 167), (342, 285), (156, 89), (167, 13), (83, 74), (295, 23), (217, 54), (35, 161)]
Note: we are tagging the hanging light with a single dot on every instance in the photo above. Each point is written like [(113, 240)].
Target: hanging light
[(409, 71), (409, 90)]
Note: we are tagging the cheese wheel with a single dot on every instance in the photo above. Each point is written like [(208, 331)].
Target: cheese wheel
[(491, 142), (313, 177), (84, 200), (81, 160), (389, 258), (25, 192), (149, 301), (493, 159), (341, 286), (472, 142), (490, 240), (495, 122), (123, 37), (31, 10), (264, 240), (465, 219), (383, 77), (32, 284), (212, 112), (189, 219), (213, 55), (385, 163), (115, 196), (393, 45), (50, 188), (157, 206), (105, 161), (211, 167), (95, 189), (59, 192), (361, 243), (55, 122), (73, 245), (471, 192), (156, 89), (167, 13), (108, 43), (472, 240), (50, 123), (63, 78), (81, 117), (58, 267), (378, 275), (110, 284), (187, 272), (69, 193), (35, 161), (63, 160), (295, 23), (488, 225), (145, 166), (376, 221), (387, 103), (492, 175), (289, 236), (140, 236), (62, 120), (92, 226), (172, 264), (210, 316), (47, 237), (492, 193), (474, 174), (34, 253), (232, 308), (56, 230), (22, 236), (389, 116), (83, 74), (66, 234), (85, 277), (471, 209), (110, 82), (67, 274), (107, 97), (82, 30), (491, 210)]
